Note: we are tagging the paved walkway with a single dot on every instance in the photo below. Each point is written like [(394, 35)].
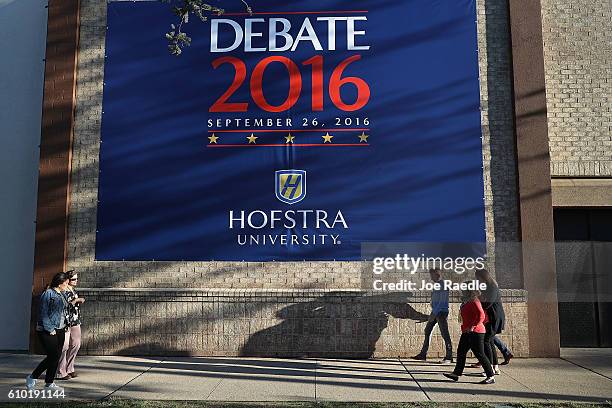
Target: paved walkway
[(580, 375)]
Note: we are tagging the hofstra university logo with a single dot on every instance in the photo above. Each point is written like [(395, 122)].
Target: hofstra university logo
[(287, 227), (290, 185)]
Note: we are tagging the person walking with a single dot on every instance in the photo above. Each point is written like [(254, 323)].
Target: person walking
[(439, 316), (72, 342), (473, 331), (491, 303), (50, 329), (503, 348)]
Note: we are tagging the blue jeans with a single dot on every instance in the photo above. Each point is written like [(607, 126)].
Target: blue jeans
[(501, 346), (442, 320)]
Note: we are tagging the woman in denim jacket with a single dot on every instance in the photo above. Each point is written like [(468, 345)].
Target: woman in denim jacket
[(51, 329)]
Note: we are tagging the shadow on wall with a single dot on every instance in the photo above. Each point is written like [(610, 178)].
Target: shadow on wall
[(331, 326), (334, 325)]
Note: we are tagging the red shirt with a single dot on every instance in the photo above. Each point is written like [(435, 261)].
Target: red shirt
[(473, 317)]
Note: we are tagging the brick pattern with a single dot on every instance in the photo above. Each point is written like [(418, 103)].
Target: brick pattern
[(499, 151), (281, 323), (499, 177), (578, 51)]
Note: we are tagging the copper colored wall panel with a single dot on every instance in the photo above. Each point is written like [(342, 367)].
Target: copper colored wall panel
[(537, 228), (56, 141)]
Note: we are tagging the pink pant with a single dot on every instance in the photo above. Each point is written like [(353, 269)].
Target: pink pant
[(72, 344)]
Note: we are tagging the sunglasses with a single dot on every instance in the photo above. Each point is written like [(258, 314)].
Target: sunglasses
[(73, 279)]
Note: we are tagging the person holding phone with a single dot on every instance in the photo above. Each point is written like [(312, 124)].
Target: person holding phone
[(72, 342)]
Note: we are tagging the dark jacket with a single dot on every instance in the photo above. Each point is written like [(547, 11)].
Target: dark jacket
[(492, 305)]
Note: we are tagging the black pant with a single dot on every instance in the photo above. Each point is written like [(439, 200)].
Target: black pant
[(475, 342), (53, 348), (442, 320), (489, 345)]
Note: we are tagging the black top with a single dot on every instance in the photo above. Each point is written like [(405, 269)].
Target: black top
[(492, 305), (74, 310)]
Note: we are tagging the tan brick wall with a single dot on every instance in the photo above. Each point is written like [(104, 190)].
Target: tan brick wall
[(290, 323), (499, 150), (578, 64)]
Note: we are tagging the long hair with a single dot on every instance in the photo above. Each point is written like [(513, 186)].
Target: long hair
[(484, 276), (57, 280), (469, 295)]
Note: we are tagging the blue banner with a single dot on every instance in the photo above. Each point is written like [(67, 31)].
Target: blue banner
[(295, 133)]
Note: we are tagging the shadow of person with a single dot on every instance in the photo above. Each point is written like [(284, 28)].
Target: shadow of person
[(338, 324)]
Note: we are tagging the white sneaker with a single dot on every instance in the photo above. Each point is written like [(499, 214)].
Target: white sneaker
[(54, 386), (488, 380), (30, 382), (446, 361), (496, 370)]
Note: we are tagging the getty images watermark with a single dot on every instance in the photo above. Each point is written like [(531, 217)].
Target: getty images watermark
[(412, 265), (404, 267)]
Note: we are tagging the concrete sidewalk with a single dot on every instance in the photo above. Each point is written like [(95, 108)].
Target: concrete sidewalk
[(580, 375)]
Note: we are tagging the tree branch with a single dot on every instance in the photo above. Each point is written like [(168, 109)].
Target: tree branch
[(177, 38)]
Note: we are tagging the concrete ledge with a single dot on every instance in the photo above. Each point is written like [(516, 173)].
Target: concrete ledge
[(582, 192), (273, 322), (180, 294)]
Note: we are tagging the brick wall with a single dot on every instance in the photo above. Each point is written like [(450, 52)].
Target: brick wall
[(119, 321), (499, 150), (280, 323), (578, 55)]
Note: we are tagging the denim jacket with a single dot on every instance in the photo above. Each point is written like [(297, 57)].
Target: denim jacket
[(52, 311)]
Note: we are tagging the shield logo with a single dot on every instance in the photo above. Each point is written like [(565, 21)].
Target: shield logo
[(290, 185)]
